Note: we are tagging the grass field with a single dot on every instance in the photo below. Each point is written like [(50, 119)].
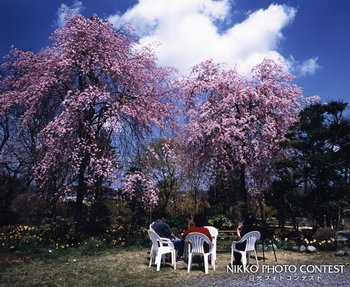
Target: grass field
[(114, 267)]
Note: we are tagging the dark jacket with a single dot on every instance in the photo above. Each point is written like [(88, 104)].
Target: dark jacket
[(161, 228)]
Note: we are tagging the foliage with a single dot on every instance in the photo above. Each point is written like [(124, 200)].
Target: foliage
[(281, 243), (162, 158), (317, 170), (323, 239), (139, 187), (324, 233), (185, 206), (283, 197), (29, 208), (236, 125), (76, 121), (99, 218), (116, 236), (179, 223), (224, 193), (93, 245), (24, 238), (61, 231), (10, 188), (220, 221), (83, 105)]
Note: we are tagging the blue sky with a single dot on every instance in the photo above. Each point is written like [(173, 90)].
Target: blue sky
[(311, 37)]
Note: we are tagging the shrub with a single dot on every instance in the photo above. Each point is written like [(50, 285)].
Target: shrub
[(220, 221), (21, 238), (324, 233), (325, 239), (179, 223), (29, 208), (10, 188), (116, 236), (93, 245), (99, 220), (59, 230)]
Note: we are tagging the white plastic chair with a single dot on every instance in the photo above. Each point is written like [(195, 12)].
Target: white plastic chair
[(165, 240), (214, 232), (250, 238), (195, 242), (160, 247)]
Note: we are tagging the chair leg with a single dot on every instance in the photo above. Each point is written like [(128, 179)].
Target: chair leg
[(205, 258), (158, 261), (256, 258), (150, 260), (213, 263), (173, 259), (244, 259), (189, 263)]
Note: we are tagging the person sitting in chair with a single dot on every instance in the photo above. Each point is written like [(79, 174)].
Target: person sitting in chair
[(199, 222), (243, 228), (163, 230)]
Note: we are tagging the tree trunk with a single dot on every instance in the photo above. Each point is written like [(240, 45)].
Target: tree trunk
[(243, 193), (261, 209), (81, 188)]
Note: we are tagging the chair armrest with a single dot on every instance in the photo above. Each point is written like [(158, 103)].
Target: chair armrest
[(238, 241), (166, 241)]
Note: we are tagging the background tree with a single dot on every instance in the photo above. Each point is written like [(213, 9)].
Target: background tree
[(319, 161), (100, 97), (161, 158), (285, 195), (235, 124)]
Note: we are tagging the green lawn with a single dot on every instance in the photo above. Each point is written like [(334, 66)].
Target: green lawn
[(114, 267)]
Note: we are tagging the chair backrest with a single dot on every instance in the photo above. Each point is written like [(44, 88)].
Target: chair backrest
[(250, 238), (214, 232), (196, 242), (156, 241)]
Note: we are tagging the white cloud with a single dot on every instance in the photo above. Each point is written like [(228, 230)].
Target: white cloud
[(76, 7), (305, 68), (309, 67), (188, 32)]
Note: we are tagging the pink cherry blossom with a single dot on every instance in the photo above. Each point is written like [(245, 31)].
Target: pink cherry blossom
[(139, 187), (237, 123), (91, 97)]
